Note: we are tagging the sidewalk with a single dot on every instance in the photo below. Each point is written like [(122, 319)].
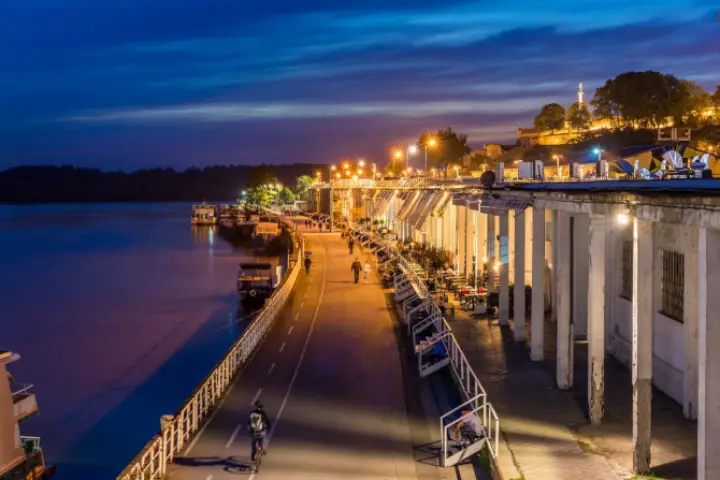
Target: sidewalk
[(537, 419)]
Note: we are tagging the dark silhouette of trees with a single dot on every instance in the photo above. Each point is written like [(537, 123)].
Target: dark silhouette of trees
[(41, 184), (449, 149), (550, 118)]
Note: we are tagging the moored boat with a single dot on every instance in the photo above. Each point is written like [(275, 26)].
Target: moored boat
[(204, 214)]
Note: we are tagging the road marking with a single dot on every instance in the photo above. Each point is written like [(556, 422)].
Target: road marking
[(271, 369), (305, 296), (297, 315), (282, 347), (257, 395), (297, 367), (209, 477), (290, 331), (302, 305), (232, 437)]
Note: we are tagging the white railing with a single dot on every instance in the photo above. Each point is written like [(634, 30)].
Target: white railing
[(178, 430), (24, 389), (468, 383), (34, 441)]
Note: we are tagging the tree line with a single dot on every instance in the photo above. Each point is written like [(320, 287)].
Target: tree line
[(48, 184), (638, 100)]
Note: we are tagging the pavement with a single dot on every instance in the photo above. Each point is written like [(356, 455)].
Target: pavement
[(331, 378), (536, 418), (547, 430)]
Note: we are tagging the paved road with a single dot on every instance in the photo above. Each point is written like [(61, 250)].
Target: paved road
[(329, 375)]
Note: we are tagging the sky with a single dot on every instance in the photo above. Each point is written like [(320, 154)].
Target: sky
[(128, 84)]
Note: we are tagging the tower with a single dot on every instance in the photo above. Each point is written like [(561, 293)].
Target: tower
[(581, 94)]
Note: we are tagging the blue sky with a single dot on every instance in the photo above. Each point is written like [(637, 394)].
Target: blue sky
[(140, 83)]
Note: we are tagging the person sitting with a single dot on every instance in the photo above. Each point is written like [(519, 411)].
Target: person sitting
[(437, 353), (468, 430)]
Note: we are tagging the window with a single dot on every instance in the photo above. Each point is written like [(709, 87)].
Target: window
[(673, 285), (626, 282)]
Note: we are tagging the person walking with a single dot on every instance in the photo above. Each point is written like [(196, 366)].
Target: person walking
[(308, 262), (356, 267), (351, 245), (366, 271), (258, 425)]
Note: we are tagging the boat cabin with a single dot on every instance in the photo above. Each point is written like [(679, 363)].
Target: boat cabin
[(255, 280), (204, 214)]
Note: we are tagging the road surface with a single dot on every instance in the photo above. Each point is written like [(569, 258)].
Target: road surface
[(330, 378)]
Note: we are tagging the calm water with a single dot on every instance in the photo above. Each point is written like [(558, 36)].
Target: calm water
[(117, 311)]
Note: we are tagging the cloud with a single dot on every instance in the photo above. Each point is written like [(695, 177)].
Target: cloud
[(231, 112), (122, 65)]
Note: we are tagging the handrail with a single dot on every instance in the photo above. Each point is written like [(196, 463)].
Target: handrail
[(24, 390), (470, 386), (177, 430)]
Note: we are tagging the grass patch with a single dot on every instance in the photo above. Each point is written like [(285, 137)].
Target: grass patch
[(650, 476), (484, 459), (521, 477)]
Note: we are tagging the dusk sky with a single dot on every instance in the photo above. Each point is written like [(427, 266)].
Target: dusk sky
[(140, 83)]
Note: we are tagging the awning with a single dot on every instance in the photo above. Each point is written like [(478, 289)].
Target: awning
[(382, 202), (501, 205), (442, 205), (407, 206), (424, 207)]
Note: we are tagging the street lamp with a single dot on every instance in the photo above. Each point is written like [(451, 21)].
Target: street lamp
[(361, 163), (430, 143)]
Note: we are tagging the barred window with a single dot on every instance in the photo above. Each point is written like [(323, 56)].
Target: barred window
[(626, 282), (673, 285)]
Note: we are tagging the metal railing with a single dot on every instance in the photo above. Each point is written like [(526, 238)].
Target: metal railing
[(23, 391), (179, 429), (468, 383)]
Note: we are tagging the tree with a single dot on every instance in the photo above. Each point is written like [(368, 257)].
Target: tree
[(286, 195), (304, 182), (450, 148), (551, 117), (262, 195), (695, 102), (645, 99), (578, 116), (716, 97)]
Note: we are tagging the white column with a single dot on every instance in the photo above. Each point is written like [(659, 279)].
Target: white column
[(460, 245), (504, 309), (554, 261), (470, 240), (491, 251), (642, 337), (596, 319), (519, 280), (581, 229), (565, 343), (691, 305), (709, 356), (537, 321)]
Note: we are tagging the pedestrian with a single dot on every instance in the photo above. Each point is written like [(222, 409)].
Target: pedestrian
[(351, 245), (366, 271), (308, 262), (356, 267)]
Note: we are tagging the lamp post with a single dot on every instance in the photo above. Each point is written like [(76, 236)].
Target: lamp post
[(411, 150), (332, 180), (430, 143)]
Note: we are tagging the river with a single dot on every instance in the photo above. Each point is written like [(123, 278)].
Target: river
[(118, 311)]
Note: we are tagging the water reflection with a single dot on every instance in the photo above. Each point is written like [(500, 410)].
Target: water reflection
[(118, 312)]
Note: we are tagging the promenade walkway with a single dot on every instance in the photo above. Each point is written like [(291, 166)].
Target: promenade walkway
[(537, 419), (329, 374)]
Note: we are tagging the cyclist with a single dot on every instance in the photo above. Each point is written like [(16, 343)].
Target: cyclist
[(258, 425)]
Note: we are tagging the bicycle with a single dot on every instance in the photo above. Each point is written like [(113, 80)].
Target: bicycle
[(258, 457)]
